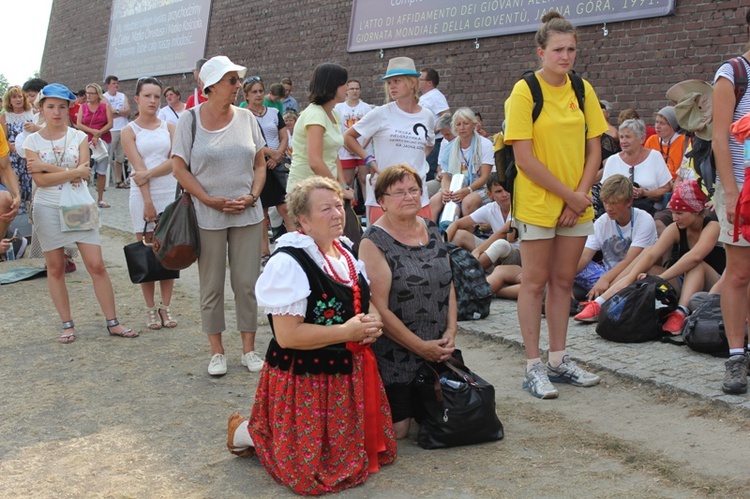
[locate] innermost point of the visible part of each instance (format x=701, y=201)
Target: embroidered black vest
x=329, y=303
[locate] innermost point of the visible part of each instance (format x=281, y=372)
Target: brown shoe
x=234, y=421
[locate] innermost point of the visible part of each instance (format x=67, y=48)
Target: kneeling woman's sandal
x=125, y=333
x=67, y=338
x=234, y=421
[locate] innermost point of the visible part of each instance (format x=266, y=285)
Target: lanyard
x=619, y=231
x=469, y=168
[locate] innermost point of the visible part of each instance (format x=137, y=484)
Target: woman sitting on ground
x=470, y=155
x=644, y=167
x=320, y=422
x=691, y=242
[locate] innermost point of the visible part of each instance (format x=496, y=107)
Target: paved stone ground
x=662, y=365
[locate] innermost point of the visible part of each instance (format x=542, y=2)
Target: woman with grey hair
x=667, y=141
x=644, y=167
x=469, y=154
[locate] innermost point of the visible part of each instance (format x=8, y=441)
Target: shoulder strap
x=740, y=78
x=580, y=91
x=536, y=93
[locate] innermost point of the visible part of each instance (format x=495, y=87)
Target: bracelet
x=369, y=159
x=255, y=198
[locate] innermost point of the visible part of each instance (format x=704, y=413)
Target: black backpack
x=473, y=292
x=636, y=313
x=704, y=329
x=506, y=166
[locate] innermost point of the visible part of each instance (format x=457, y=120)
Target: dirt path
x=111, y=417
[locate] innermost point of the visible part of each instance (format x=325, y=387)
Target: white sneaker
x=253, y=361
x=218, y=365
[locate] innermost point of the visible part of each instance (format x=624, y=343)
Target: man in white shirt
x=351, y=111
x=621, y=236
x=120, y=105
x=433, y=99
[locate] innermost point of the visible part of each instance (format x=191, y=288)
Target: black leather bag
x=143, y=266
x=458, y=407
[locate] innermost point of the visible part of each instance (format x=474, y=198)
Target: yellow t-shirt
x=4, y=148
x=557, y=140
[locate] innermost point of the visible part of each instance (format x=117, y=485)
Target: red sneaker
x=675, y=321
x=590, y=312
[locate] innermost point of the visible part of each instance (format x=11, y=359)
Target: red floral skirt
x=309, y=430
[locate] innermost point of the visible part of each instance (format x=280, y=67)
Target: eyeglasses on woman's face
x=413, y=192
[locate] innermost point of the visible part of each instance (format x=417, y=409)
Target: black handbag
x=143, y=266
x=458, y=406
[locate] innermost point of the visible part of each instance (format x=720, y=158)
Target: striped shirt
x=738, y=152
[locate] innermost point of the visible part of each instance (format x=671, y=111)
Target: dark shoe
x=735, y=377
x=70, y=266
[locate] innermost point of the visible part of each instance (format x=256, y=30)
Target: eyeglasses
x=402, y=194
x=253, y=78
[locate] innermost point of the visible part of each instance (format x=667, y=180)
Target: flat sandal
x=126, y=333
x=66, y=339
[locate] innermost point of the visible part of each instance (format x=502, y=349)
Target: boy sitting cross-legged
x=621, y=235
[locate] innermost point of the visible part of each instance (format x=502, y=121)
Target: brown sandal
x=234, y=421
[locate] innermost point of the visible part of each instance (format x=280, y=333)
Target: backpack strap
x=536, y=93
x=580, y=91
x=740, y=78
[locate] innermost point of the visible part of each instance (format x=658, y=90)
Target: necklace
x=352, y=281
x=59, y=155
x=258, y=113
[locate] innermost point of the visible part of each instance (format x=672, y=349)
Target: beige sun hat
x=693, y=109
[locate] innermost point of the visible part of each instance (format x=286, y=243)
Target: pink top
x=96, y=120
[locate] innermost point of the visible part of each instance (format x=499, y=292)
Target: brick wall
x=631, y=67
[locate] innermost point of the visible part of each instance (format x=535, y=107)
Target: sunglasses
x=148, y=79
x=253, y=78
x=232, y=80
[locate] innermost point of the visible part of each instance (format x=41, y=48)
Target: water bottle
x=449, y=382
x=11, y=253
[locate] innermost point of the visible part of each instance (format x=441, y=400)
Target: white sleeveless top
x=154, y=147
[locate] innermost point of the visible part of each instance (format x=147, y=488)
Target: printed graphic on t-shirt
x=614, y=250
x=410, y=139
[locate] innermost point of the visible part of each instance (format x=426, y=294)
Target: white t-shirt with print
x=350, y=116
x=615, y=244
x=398, y=137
